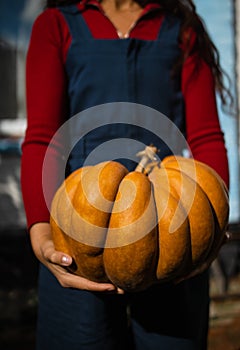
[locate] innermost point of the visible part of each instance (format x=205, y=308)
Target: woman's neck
x=121, y=5
x=123, y=14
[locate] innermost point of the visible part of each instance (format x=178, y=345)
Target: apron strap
x=169, y=30
x=77, y=26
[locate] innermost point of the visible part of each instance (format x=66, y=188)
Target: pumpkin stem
x=148, y=154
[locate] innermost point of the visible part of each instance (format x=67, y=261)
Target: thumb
x=56, y=257
x=61, y=258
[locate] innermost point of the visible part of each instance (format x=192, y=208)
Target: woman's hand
x=56, y=262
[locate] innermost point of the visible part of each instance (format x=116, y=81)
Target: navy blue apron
x=126, y=70
x=164, y=317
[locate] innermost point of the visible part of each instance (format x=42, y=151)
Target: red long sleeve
x=204, y=134
x=46, y=109
x=47, y=103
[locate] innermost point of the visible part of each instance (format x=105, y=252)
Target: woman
x=73, y=63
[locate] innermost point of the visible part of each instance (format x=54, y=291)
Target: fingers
x=60, y=258
x=69, y=280
x=53, y=256
x=82, y=283
x=57, y=262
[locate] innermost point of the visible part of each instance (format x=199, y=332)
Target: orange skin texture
x=173, y=234
x=78, y=215
x=137, y=229
x=215, y=189
x=194, y=201
x=132, y=239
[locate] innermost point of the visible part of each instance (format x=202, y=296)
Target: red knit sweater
x=47, y=103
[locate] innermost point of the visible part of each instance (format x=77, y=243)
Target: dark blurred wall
x=8, y=86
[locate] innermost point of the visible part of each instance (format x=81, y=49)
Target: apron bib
x=102, y=71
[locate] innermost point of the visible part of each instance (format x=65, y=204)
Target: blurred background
x=18, y=266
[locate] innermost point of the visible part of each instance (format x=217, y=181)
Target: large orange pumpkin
x=155, y=224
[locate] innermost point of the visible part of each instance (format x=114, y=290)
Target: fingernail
x=65, y=259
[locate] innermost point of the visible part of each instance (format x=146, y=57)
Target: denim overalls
x=165, y=317
x=103, y=71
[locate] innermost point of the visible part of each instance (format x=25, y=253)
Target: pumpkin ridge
x=163, y=222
